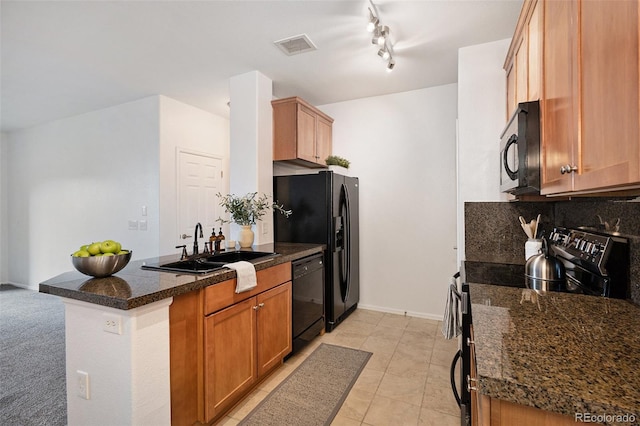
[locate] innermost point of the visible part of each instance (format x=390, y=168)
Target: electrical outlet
x=133, y=225
x=112, y=323
x=83, y=384
x=143, y=225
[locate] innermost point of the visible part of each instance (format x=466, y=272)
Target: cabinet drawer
x=221, y=295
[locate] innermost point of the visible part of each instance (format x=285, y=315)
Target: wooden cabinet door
x=306, y=134
x=522, y=70
x=273, y=326
x=559, y=103
x=535, y=38
x=324, y=137
x=609, y=152
x=230, y=355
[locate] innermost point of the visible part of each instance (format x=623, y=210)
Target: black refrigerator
x=325, y=211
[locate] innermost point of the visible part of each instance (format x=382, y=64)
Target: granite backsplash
x=493, y=232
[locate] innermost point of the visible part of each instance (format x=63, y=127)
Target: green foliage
x=248, y=209
x=334, y=160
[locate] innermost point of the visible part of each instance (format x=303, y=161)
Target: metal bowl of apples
x=101, y=266
x=100, y=259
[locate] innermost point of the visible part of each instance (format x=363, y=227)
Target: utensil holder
x=532, y=247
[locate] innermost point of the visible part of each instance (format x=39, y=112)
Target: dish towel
x=246, y=275
x=451, y=326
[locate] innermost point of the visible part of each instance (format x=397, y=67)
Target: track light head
x=391, y=64
x=384, y=53
x=382, y=35
x=373, y=22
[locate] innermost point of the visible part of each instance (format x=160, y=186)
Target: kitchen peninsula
x=120, y=334
x=555, y=355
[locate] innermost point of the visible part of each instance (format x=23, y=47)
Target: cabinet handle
x=470, y=342
x=469, y=387
x=568, y=169
x=258, y=306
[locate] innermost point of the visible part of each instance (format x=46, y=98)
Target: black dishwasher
x=308, y=299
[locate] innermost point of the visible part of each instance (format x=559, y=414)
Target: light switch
x=143, y=225
x=133, y=225
x=144, y=210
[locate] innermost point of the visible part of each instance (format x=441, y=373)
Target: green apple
x=109, y=246
x=108, y=254
x=123, y=252
x=84, y=247
x=81, y=253
x=94, y=249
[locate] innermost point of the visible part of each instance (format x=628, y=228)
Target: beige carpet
x=314, y=392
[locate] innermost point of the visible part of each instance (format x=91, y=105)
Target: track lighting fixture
x=380, y=37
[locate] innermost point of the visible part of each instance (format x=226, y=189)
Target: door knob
x=568, y=169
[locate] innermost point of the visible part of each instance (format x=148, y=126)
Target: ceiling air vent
x=295, y=45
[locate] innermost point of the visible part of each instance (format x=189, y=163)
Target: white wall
x=481, y=119
x=82, y=179
x=402, y=147
x=191, y=129
x=78, y=180
x=4, y=264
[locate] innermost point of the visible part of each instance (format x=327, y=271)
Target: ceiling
x=63, y=58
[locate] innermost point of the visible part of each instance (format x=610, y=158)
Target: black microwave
x=520, y=151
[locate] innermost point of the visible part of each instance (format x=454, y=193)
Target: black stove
x=596, y=262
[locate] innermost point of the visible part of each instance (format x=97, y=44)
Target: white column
x=251, y=153
x=128, y=370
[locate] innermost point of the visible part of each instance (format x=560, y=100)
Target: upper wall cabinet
x=301, y=133
x=591, y=100
x=523, y=64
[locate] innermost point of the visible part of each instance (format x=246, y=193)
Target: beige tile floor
x=405, y=382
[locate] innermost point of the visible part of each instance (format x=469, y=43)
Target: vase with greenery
x=334, y=160
x=246, y=211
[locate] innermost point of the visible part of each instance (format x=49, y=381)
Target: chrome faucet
x=195, y=238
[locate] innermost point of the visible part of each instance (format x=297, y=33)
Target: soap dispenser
x=221, y=240
x=213, y=244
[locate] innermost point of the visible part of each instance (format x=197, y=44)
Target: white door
x=199, y=180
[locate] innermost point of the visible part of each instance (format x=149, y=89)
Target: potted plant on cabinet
x=337, y=164
x=246, y=210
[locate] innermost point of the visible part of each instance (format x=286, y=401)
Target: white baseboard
x=424, y=315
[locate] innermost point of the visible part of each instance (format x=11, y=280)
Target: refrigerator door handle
x=345, y=267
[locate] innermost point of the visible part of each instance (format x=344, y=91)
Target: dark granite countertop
x=133, y=287
x=566, y=353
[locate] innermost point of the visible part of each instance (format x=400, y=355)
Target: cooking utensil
x=535, y=231
x=525, y=227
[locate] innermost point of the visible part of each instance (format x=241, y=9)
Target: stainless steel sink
x=204, y=264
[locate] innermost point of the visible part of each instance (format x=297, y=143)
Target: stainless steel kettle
x=544, y=272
